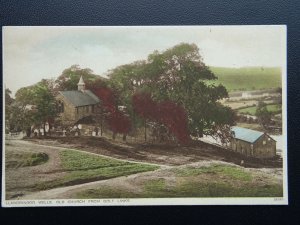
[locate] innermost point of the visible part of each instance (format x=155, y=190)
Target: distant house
x=252, y=143
x=76, y=105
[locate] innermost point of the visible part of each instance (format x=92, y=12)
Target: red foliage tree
x=107, y=97
x=144, y=106
x=174, y=118
x=167, y=113
x=118, y=122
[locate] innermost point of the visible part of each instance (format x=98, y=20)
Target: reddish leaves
x=167, y=113
x=175, y=119
x=107, y=97
x=144, y=106
x=118, y=122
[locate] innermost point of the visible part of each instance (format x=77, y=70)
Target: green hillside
x=248, y=78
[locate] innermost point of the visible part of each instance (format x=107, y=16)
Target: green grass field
x=248, y=78
x=22, y=159
x=212, y=181
x=274, y=108
x=82, y=167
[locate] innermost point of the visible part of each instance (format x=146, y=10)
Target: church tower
x=81, y=85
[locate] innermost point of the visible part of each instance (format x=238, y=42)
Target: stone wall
x=242, y=147
x=264, y=147
x=83, y=111
x=68, y=116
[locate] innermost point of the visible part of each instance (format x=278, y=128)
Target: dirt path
x=127, y=182
x=67, y=192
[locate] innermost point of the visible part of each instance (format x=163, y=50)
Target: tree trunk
x=101, y=127
x=101, y=123
x=44, y=129
x=145, y=124
x=124, y=137
x=114, y=136
x=28, y=132
x=200, y=134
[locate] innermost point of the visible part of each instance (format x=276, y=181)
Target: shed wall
x=264, y=147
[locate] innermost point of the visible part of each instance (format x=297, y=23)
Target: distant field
x=251, y=110
x=248, y=78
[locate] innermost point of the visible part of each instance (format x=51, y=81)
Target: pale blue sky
x=33, y=53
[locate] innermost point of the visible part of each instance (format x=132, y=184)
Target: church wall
x=83, y=111
x=68, y=116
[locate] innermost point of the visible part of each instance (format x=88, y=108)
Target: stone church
x=76, y=105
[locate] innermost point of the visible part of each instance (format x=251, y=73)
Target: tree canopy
x=171, y=88
x=178, y=75
x=34, y=105
x=69, y=78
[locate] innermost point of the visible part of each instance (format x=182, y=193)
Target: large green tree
x=35, y=105
x=8, y=109
x=180, y=75
x=69, y=78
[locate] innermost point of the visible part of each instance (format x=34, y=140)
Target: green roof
x=79, y=98
x=246, y=134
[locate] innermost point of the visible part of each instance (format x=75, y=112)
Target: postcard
x=144, y=115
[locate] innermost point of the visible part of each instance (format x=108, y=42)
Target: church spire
x=81, y=85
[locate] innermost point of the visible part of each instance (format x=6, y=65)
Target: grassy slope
x=248, y=78
x=212, y=181
x=82, y=167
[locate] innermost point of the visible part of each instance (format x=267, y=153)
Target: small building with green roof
x=252, y=143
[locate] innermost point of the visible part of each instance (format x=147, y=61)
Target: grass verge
x=212, y=181
x=229, y=171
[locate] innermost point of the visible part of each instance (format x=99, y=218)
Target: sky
x=33, y=53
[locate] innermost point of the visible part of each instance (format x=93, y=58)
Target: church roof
x=79, y=98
